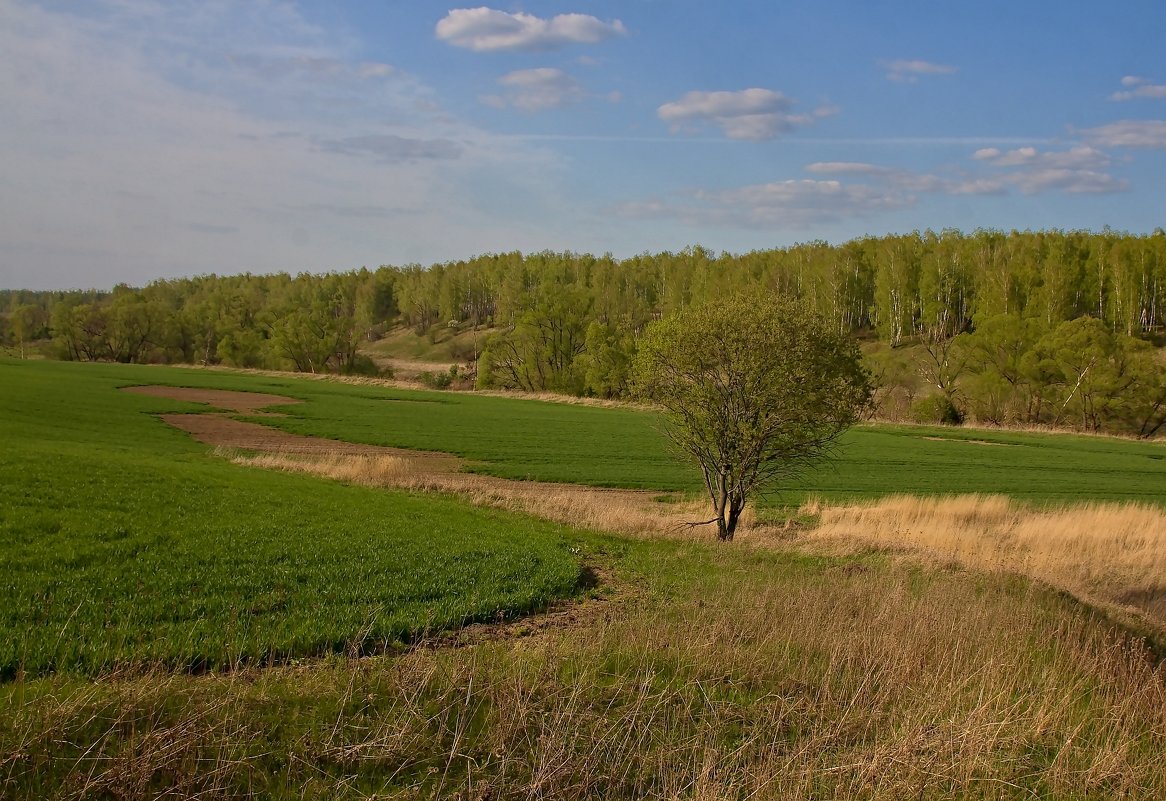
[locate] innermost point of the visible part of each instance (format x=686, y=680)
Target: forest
x=1045, y=328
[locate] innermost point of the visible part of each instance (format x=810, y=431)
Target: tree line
x=955, y=324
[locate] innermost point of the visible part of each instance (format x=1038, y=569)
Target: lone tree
x=754, y=389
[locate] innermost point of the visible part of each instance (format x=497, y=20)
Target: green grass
x=738, y=672
x=123, y=541
x=1037, y=468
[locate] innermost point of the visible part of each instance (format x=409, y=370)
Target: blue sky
x=145, y=139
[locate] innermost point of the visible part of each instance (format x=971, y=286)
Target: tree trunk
x=736, y=506
x=728, y=502
x=724, y=533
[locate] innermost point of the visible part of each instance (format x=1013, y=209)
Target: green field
x=123, y=540
x=623, y=447
x=524, y=439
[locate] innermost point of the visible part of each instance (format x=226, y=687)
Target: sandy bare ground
x=225, y=432
x=241, y=402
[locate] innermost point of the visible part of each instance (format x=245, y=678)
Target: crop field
x=123, y=540
x=622, y=447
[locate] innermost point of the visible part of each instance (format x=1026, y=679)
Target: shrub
x=936, y=409
x=438, y=380
x=363, y=365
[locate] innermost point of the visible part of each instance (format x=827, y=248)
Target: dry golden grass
x=846, y=683
x=1110, y=553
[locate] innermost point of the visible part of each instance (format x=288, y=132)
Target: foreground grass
x=726, y=673
x=124, y=542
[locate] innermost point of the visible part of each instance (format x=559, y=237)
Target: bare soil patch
x=972, y=441
x=225, y=432
x=229, y=400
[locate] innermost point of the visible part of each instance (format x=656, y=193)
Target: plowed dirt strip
x=242, y=402
x=224, y=432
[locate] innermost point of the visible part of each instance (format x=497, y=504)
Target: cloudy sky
x=143, y=139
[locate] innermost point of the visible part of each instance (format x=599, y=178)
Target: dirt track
x=242, y=402
x=220, y=431
x=225, y=432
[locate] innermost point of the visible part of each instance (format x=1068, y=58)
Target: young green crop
x=124, y=541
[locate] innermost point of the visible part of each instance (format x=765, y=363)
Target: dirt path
x=241, y=402
x=226, y=432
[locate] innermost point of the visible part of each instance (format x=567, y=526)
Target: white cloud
x=310, y=66
x=1077, y=158
x=373, y=69
x=1139, y=88
x=1150, y=134
x=904, y=180
x=847, y=168
x=1073, y=171
x=863, y=189
x=977, y=186
x=791, y=204
x=907, y=70
x=139, y=150
x=536, y=90
x=393, y=149
x=486, y=29
x=754, y=114
x=859, y=189
x=1070, y=181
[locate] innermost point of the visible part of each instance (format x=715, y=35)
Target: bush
x=465, y=350
x=363, y=365
x=936, y=409
x=438, y=380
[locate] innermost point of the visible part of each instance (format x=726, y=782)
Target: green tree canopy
x=754, y=389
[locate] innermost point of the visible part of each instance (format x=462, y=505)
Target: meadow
x=179, y=624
